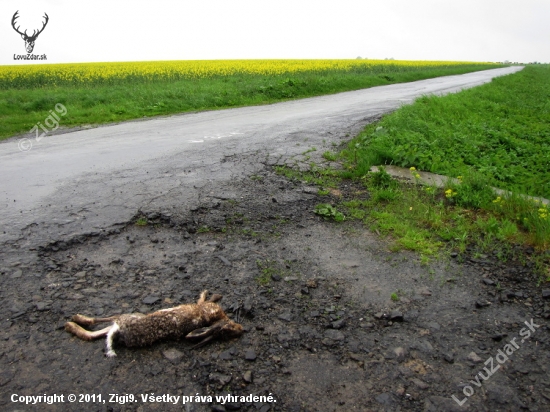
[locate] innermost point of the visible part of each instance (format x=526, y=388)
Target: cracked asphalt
x=322, y=333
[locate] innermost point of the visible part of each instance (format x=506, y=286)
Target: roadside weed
x=330, y=212
x=142, y=221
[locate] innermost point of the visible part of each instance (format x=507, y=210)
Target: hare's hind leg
x=85, y=334
x=87, y=321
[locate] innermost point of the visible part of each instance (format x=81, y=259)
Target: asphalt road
x=87, y=180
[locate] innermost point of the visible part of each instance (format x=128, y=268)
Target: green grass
x=432, y=220
x=500, y=130
x=142, y=221
x=465, y=135
x=318, y=176
x=21, y=106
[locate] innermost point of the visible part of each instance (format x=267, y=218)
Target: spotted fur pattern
x=136, y=330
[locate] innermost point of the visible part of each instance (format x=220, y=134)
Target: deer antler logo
x=29, y=40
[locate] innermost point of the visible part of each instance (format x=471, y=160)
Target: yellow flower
x=85, y=73
x=449, y=193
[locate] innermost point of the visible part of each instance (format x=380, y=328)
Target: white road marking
x=215, y=137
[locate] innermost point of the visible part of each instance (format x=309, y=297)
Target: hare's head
x=224, y=329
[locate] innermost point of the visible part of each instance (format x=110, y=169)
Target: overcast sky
x=473, y=30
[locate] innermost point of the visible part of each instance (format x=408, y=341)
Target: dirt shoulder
x=322, y=332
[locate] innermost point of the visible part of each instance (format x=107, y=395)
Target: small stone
x=247, y=376
x=546, y=294
x=339, y=324
x=17, y=274
x=433, y=325
x=276, y=277
x=286, y=316
x=218, y=408
x=454, y=254
x=305, y=290
x=247, y=305
x=250, y=355
x=400, y=353
x=233, y=406
x=422, y=345
x=488, y=282
x=314, y=313
x=173, y=355
x=41, y=306
x=226, y=355
x=384, y=399
x=419, y=383
x=449, y=358
x=334, y=334
x=218, y=377
x=89, y=291
x=472, y=356
x=311, y=283
x=224, y=260
x=424, y=292
x=482, y=304
x=150, y=300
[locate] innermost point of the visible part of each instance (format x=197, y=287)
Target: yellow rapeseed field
x=98, y=73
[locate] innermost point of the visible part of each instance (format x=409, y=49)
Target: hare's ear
x=206, y=331
x=215, y=298
x=202, y=297
x=206, y=334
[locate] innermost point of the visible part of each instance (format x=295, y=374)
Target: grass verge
x=500, y=130
x=465, y=216
x=458, y=219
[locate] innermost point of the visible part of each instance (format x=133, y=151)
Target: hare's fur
x=204, y=319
